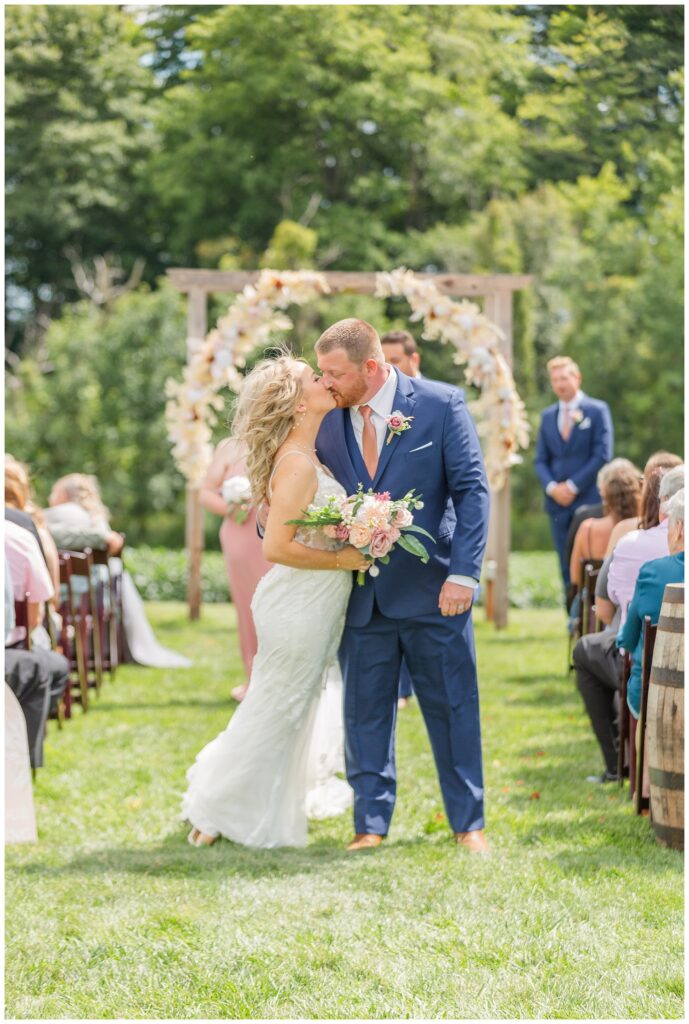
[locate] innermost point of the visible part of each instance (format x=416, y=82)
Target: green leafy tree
x=606, y=84
x=96, y=405
x=78, y=120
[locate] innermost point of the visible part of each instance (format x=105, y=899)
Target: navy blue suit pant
x=440, y=654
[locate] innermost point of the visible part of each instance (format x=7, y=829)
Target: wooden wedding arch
x=496, y=291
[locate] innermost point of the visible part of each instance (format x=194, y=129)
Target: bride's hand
x=351, y=558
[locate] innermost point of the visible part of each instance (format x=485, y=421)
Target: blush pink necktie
x=567, y=425
x=369, y=441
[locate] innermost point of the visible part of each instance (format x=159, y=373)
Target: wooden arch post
x=495, y=289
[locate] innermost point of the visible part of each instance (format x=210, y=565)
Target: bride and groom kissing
x=310, y=436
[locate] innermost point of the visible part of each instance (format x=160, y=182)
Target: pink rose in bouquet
x=382, y=542
x=373, y=523
x=403, y=517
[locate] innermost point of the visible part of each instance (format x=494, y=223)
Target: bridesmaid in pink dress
x=241, y=546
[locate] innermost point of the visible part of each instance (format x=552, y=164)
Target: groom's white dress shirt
x=382, y=406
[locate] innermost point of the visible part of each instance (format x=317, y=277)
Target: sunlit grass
x=578, y=913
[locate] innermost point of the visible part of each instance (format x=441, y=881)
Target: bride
x=250, y=783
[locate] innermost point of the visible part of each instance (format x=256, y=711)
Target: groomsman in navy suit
x=574, y=440
x=418, y=612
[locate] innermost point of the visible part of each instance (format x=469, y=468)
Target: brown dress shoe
x=475, y=841
x=364, y=841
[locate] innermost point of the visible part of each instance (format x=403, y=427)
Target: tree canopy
x=534, y=138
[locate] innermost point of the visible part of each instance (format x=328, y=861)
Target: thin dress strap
x=293, y=451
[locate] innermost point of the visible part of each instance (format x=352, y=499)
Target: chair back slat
x=21, y=619
x=624, y=719
x=647, y=646
x=591, y=569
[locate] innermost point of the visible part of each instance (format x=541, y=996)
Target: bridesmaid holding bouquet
x=225, y=492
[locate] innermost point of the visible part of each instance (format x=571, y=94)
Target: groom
x=421, y=612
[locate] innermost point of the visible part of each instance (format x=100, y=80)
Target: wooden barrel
x=665, y=721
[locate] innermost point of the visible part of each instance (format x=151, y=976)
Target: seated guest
x=596, y=659
x=648, y=598
x=619, y=483
x=659, y=462
x=29, y=575
x=37, y=677
x=646, y=543
x=21, y=509
x=77, y=517
x=594, y=511
x=77, y=514
x=20, y=817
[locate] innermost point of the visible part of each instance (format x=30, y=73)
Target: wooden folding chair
x=72, y=639
x=21, y=619
x=649, y=638
x=622, y=758
x=123, y=653
x=87, y=617
x=588, y=596
x=585, y=603
x=106, y=615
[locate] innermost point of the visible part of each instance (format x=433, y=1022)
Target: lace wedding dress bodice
x=327, y=487
x=278, y=757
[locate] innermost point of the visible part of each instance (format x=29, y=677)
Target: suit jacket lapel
x=356, y=459
x=404, y=403
x=557, y=436
x=343, y=468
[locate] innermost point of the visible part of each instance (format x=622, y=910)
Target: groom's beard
x=349, y=396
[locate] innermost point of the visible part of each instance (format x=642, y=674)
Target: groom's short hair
x=358, y=338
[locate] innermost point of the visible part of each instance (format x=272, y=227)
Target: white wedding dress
x=274, y=765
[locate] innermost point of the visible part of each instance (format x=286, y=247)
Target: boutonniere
x=576, y=416
x=397, y=424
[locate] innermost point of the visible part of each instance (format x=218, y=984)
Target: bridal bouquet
x=371, y=522
x=236, y=490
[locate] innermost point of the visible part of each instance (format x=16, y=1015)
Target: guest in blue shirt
x=648, y=596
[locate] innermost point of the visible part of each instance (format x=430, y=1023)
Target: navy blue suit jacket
x=588, y=447
x=440, y=457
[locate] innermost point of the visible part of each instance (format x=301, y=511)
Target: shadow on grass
x=505, y=640
x=229, y=705
x=174, y=857
x=549, y=695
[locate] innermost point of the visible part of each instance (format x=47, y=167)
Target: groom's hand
x=455, y=599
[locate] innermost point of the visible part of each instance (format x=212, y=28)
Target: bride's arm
x=294, y=486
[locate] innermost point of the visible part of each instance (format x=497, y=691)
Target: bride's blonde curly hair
x=264, y=415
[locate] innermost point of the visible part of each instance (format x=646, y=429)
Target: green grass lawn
x=578, y=913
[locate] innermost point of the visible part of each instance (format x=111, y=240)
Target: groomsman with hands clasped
x=574, y=440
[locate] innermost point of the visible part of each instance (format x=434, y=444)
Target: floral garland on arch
x=193, y=403
x=215, y=362
x=500, y=414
